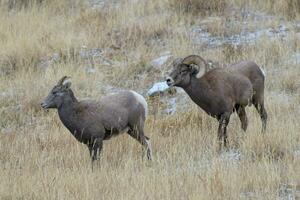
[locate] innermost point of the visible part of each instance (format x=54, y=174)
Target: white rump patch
x=141, y=100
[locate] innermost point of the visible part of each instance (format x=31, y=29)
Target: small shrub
x=232, y=53
x=19, y=4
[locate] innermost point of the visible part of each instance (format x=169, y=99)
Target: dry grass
x=199, y=7
x=39, y=159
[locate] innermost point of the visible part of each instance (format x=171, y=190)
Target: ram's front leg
x=222, y=130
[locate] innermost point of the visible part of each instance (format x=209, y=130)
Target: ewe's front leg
x=95, y=148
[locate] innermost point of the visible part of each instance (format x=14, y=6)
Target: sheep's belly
x=114, y=132
x=81, y=136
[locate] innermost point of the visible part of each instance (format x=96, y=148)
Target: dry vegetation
x=39, y=159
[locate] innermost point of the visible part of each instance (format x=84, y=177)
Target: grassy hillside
x=108, y=45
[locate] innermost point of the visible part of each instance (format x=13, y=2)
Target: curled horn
x=196, y=60
x=61, y=81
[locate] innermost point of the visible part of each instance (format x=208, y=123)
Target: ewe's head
x=184, y=68
x=58, y=94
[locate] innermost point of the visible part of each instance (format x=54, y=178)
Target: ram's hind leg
x=243, y=117
x=263, y=115
x=137, y=132
x=258, y=101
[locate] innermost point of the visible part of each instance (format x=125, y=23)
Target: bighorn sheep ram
x=91, y=122
x=221, y=91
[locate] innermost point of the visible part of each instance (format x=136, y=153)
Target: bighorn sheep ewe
x=221, y=91
x=91, y=122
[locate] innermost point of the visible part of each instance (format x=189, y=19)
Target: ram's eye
x=183, y=72
x=54, y=92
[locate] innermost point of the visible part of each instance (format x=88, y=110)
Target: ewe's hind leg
x=138, y=134
x=263, y=114
x=243, y=117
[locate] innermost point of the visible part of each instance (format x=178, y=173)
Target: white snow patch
x=158, y=88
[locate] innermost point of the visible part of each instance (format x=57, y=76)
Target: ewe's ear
x=67, y=83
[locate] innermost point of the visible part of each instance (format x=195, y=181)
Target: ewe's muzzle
x=44, y=105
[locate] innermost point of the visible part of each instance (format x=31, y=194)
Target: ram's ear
x=198, y=61
x=193, y=69
x=190, y=67
x=197, y=71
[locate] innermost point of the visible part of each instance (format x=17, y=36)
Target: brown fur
x=91, y=122
x=221, y=91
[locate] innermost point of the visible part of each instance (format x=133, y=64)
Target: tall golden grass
x=40, y=159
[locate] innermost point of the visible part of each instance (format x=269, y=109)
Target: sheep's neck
x=67, y=112
x=197, y=90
